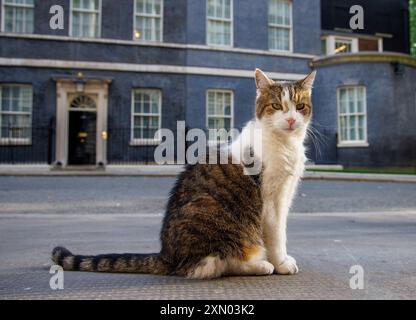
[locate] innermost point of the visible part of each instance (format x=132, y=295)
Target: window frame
x=231, y=21
x=145, y=141
x=331, y=40
x=352, y=143
x=207, y=116
x=100, y=13
x=275, y=25
x=352, y=42
x=19, y=5
x=9, y=141
x=161, y=16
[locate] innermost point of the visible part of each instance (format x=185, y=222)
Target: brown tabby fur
x=214, y=209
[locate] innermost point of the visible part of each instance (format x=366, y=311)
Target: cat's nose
x=291, y=121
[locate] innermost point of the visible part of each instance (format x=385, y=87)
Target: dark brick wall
x=391, y=106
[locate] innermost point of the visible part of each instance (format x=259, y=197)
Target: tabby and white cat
x=220, y=221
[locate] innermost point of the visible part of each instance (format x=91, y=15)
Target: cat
x=219, y=220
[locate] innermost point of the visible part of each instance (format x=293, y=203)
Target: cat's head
x=284, y=107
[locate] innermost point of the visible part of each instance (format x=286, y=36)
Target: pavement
x=174, y=170
x=333, y=226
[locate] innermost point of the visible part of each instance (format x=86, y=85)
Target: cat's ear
x=262, y=81
x=307, y=83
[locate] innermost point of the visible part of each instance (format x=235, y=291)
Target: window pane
x=86, y=18
x=157, y=7
x=343, y=107
x=16, y=126
x=351, y=100
x=227, y=123
x=219, y=110
x=227, y=9
x=8, y=23
x=219, y=29
x=210, y=8
x=18, y=19
x=227, y=110
x=352, y=126
x=343, y=46
x=279, y=38
x=137, y=133
x=26, y=2
x=16, y=99
x=279, y=19
x=343, y=127
x=138, y=122
x=91, y=5
x=361, y=134
x=360, y=106
x=361, y=127
x=280, y=12
x=323, y=46
x=29, y=24
x=76, y=4
x=148, y=20
x=146, y=102
x=219, y=32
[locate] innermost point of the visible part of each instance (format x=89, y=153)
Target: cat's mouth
x=290, y=129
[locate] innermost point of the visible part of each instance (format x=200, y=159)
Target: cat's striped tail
x=117, y=263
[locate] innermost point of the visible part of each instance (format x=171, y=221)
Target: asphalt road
x=115, y=195
x=334, y=225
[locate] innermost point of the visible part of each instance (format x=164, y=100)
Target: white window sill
x=219, y=46
x=15, y=142
x=280, y=51
x=144, y=142
x=147, y=42
x=357, y=144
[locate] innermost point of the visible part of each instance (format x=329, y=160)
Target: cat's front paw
x=287, y=267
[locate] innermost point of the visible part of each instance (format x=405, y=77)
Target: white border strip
x=148, y=68
x=160, y=44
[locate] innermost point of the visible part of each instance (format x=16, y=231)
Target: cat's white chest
x=282, y=170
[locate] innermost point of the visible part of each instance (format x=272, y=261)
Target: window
x=219, y=110
x=375, y=45
x=324, y=47
x=15, y=113
x=148, y=20
x=86, y=18
x=352, y=112
x=280, y=25
x=343, y=45
x=18, y=16
x=146, y=115
x=220, y=22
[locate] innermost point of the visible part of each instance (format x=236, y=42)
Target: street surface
x=334, y=225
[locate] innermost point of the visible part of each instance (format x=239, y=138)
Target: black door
x=82, y=138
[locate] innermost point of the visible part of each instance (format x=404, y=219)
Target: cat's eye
x=300, y=106
x=276, y=106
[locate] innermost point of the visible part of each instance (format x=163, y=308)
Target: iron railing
x=123, y=149
x=26, y=145
x=36, y=145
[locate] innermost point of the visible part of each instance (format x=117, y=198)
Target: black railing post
x=10, y=142
x=147, y=144
x=336, y=147
x=50, y=141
